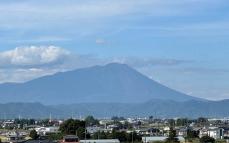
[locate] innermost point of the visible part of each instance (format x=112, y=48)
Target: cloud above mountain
x=32, y=56
x=29, y=62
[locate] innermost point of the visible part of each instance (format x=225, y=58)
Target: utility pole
x=133, y=136
x=98, y=134
x=50, y=117
x=85, y=133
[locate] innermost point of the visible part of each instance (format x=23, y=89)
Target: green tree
x=171, y=122
x=207, y=139
x=33, y=134
x=134, y=136
x=192, y=134
x=102, y=135
x=182, y=122
x=99, y=135
x=70, y=126
x=202, y=121
x=55, y=136
x=150, y=119
x=81, y=132
x=116, y=118
x=127, y=125
x=172, y=136
x=119, y=135
x=90, y=120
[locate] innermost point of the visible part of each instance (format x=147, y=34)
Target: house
x=8, y=123
x=112, y=127
x=216, y=133
x=166, y=131
x=46, y=130
x=150, y=131
x=70, y=139
x=142, y=131
x=105, y=122
x=158, y=138
x=183, y=131
x=15, y=137
x=203, y=132
x=93, y=129
x=226, y=132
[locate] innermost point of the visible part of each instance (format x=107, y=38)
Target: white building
x=101, y=141
x=93, y=129
x=158, y=138
x=216, y=133
x=203, y=132
x=105, y=121
x=45, y=130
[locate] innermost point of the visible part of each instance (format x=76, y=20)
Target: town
x=115, y=130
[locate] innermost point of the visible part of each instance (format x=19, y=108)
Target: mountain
x=156, y=108
x=26, y=110
x=110, y=83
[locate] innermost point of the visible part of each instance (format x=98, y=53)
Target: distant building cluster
x=149, y=129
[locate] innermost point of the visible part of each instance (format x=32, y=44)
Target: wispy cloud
x=100, y=41
x=38, y=13
x=41, y=39
x=203, y=70
x=148, y=62
x=76, y=19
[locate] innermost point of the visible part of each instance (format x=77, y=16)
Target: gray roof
x=70, y=136
x=39, y=141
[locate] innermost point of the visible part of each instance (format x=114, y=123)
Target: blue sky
x=182, y=44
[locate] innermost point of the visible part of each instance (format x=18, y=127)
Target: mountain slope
x=156, y=108
x=110, y=83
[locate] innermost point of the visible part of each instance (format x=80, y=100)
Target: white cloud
x=25, y=63
x=100, y=41
x=41, y=39
x=32, y=55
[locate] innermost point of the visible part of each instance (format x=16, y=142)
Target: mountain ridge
x=158, y=109
x=110, y=83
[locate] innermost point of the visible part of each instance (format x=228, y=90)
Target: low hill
x=156, y=108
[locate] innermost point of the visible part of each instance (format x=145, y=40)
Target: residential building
x=216, y=133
